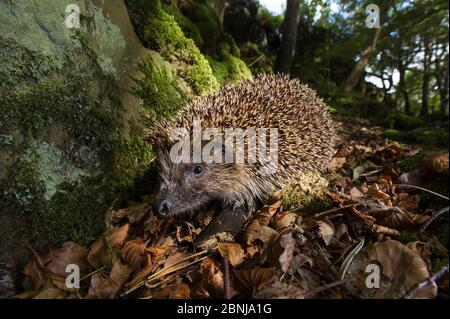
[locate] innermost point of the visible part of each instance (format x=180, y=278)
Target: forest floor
x=372, y=237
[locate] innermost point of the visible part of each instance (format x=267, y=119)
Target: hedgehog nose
x=164, y=208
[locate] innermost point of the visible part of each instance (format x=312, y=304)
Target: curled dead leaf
x=182, y=291
x=326, y=230
x=103, y=287
x=281, y=251
x=133, y=213
x=232, y=251
x=134, y=253
x=70, y=253
x=249, y=281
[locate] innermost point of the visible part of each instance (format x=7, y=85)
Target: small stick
x=256, y=60
x=422, y=189
x=226, y=279
x=435, y=215
x=433, y=279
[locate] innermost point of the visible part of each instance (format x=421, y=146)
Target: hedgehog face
x=187, y=187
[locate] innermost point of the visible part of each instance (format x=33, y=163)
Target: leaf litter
x=368, y=222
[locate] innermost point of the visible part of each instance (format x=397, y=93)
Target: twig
x=226, y=278
x=433, y=217
x=167, y=270
x=433, y=279
x=336, y=209
x=256, y=60
x=420, y=188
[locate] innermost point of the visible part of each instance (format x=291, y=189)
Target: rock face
x=70, y=130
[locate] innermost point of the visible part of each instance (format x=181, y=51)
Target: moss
x=401, y=121
x=162, y=33
x=207, y=22
x=229, y=69
x=305, y=193
x=63, y=189
x=410, y=163
x=189, y=28
x=393, y=134
x=159, y=92
x=233, y=49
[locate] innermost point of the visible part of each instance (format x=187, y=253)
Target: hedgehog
x=302, y=137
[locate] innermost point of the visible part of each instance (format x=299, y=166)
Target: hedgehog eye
x=198, y=169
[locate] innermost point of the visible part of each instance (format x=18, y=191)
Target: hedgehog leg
x=229, y=220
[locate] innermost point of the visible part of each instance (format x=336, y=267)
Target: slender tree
x=286, y=53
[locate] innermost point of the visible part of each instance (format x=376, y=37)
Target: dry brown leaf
x=249, y=281
x=336, y=163
x=326, y=230
x=35, y=273
x=108, y=287
x=281, y=251
x=376, y=193
x=261, y=219
x=134, y=253
x=212, y=278
x=175, y=258
x=232, y=251
x=283, y=220
x=117, y=237
x=133, y=213
x=70, y=253
x=402, y=265
x=51, y=293
x=182, y=291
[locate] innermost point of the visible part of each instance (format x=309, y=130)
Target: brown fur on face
x=186, y=190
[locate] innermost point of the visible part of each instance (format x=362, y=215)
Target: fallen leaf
x=108, y=287
x=232, y=251
x=402, y=265
x=70, y=253
x=283, y=220
x=281, y=252
x=134, y=253
x=212, y=278
x=133, y=213
x=117, y=237
x=249, y=281
x=182, y=291
x=326, y=230
x=51, y=293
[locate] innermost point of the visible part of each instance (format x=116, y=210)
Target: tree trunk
x=424, y=110
x=442, y=81
x=289, y=37
x=402, y=85
x=357, y=71
x=360, y=65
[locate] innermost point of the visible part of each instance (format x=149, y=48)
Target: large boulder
x=70, y=129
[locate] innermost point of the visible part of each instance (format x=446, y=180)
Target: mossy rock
x=401, y=121
x=71, y=132
x=160, y=31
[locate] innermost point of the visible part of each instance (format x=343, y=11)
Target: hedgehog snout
x=163, y=208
